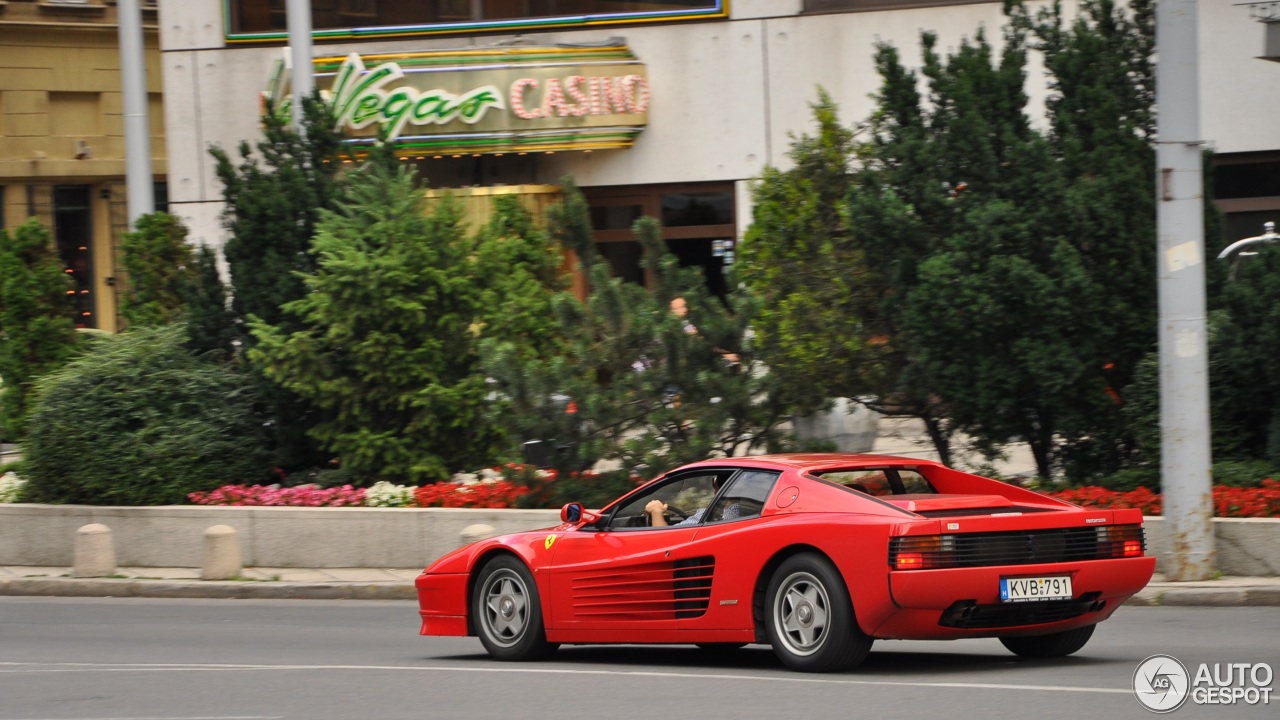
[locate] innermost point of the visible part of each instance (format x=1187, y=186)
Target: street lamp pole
x=1185, y=464
x=303, y=79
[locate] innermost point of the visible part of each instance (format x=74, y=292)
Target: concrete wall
x=1245, y=546
x=171, y=536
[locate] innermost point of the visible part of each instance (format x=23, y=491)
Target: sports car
x=816, y=555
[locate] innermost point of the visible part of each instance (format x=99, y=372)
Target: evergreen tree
x=161, y=270
x=36, y=331
x=825, y=260
x=210, y=324
x=518, y=268
x=649, y=377
x=273, y=202
x=1101, y=110
x=1000, y=277
x=386, y=338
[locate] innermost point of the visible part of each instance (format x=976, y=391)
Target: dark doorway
x=73, y=223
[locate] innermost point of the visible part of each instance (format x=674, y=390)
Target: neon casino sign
x=486, y=101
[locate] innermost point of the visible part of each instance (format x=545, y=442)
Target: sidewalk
x=397, y=584
x=256, y=583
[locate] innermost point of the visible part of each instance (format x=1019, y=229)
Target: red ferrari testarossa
x=815, y=554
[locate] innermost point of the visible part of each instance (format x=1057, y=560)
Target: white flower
x=10, y=485
x=386, y=494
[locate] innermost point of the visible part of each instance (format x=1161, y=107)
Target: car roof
x=807, y=462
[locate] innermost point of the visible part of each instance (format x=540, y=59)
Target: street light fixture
x=1269, y=234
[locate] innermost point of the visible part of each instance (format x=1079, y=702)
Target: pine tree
x=210, y=324
x=1101, y=110
x=36, y=331
x=386, y=336
x=518, y=270
x=161, y=270
x=649, y=377
x=273, y=202
x=999, y=278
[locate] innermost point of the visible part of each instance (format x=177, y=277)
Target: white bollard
x=221, y=554
x=95, y=552
x=479, y=531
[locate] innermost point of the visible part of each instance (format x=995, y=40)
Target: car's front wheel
x=810, y=618
x=507, y=613
x=1057, y=644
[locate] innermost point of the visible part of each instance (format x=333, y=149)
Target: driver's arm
x=657, y=513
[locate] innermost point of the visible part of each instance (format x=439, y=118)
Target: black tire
x=507, y=612
x=1059, y=644
x=809, y=617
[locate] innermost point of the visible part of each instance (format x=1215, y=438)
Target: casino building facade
x=669, y=109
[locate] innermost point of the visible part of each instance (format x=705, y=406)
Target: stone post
x=478, y=531
x=95, y=552
x=221, y=554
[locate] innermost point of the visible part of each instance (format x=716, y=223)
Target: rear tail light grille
x=926, y=552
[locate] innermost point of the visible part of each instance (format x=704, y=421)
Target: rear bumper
x=965, y=602
x=442, y=603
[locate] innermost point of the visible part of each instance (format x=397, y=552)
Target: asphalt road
x=143, y=659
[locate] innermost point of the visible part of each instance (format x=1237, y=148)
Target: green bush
x=1130, y=479
x=1243, y=473
x=139, y=420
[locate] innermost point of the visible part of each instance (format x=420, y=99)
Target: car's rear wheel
x=810, y=618
x=1057, y=644
x=507, y=612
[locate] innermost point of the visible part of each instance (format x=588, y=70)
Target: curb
x=1151, y=596
x=216, y=589
x=1206, y=597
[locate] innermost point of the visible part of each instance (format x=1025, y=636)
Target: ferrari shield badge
x=551, y=540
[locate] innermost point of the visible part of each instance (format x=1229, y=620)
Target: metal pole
x=299, y=21
x=137, y=132
x=1185, y=464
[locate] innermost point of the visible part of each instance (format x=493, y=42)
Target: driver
x=657, y=509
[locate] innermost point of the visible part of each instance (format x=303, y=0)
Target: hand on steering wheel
x=680, y=514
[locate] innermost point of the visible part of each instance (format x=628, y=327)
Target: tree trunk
x=940, y=436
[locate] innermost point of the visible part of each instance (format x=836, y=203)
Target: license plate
x=1035, y=588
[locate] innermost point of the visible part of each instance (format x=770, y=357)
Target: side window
x=871, y=482
x=686, y=497
x=744, y=497
x=914, y=482
x=880, y=483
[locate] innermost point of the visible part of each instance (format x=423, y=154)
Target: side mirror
x=571, y=513
x=574, y=513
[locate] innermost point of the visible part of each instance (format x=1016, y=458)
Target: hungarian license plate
x=1027, y=589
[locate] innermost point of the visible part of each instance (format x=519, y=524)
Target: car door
x=626, y=581
x=731, y=537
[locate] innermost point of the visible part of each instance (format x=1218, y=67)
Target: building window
x=698, y=225
x=1246, y=187
x=830, y=6
x=258, y=20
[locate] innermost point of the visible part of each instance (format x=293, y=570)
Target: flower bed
x=486, y=489
x=1237, y=502
x=508, y=486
